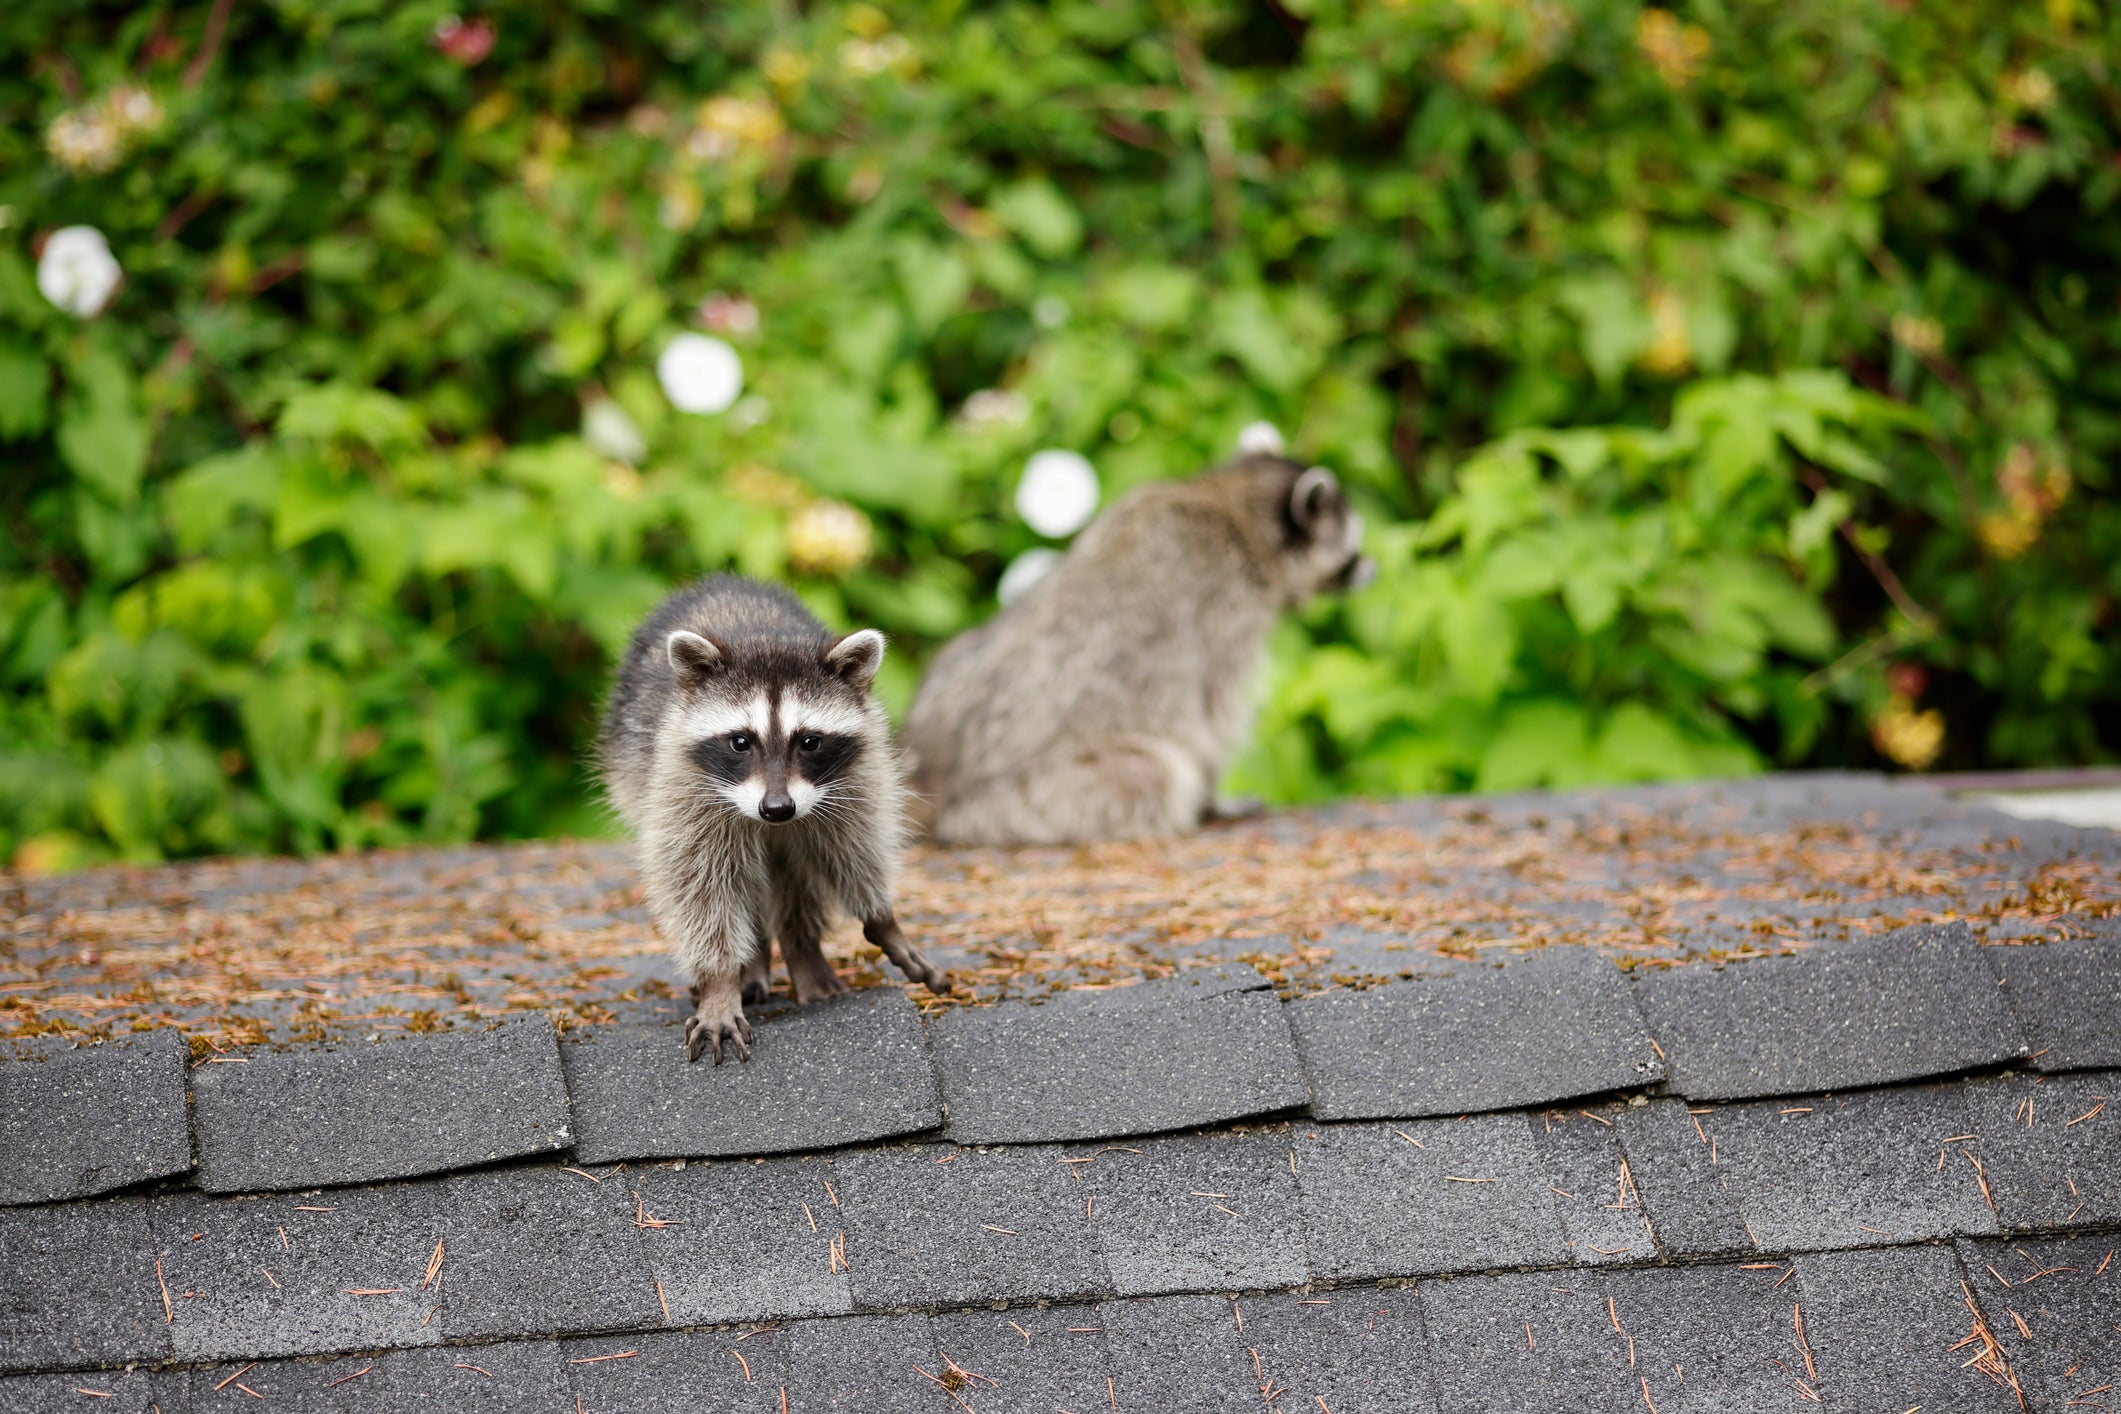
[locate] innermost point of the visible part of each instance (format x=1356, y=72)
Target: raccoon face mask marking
x=776, y=755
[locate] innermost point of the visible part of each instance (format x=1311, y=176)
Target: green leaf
x=934, y=280
x=1151, y=297
x=1614, y=325
x=1479, y=642
x=25, y=392
x=1040, y=216
x=1542, y=742
x=152, y=797
x=103, y=434
x=343, y=411
x=203, y=498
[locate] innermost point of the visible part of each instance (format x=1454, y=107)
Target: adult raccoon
x=1106, y=703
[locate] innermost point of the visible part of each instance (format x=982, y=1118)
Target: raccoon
x=742, y=748
x=1106, y=703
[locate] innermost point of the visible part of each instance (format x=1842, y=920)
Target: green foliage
x=1724, y=388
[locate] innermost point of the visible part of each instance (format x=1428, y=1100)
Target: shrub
x=1727, y=387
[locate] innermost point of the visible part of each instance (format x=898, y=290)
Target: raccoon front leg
x=882, y=931
x=799, y=923
x=705, y=892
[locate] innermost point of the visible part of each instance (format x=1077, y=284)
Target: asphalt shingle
x=358, y=1113
x=1352, y=1351
x=2052, y=1147
x=1180, y=1352
x=2068, y=997
x=1197, y=1212
x=937, y=1226
x=2068, y=1293
x=1526, y=1343
x=1919, y=1002
x=77, y=1286
x=540, y=1251
x=1882, y=1324
x=1685, y=1197
x=690, y=1370
x=1594, y=1190
x=103, y=1391
x=1855, y=1170
x=846, y=1071
x=1710, y=1338
x=1203, y=1047
x=863, y=1364
x=76, y=1121
x=749, y=1240
x=1035, y=1362
x=254, y=1278
x=1357, y=1351
x=1553, y=1025
x=501, y=1378
x=1429, y=1196
x=353, y=1383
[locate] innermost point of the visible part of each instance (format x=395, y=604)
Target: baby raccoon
x=1107, y=701
x=744, y=751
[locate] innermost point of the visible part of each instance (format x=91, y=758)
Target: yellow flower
x=1919, y=334
x=2029, y=88
x=827, y=538
x=84, y=142
x=865, y=20
x=1509, y=42
x=868, y=57
x=1670, y=350
x=729, y=125
x=2031, y=493
x=1675, y=49
x=1911, y=738
x=762, y=485
x=785, y=68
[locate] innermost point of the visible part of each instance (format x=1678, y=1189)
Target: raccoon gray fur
x=743, y=749
x=1106, y=703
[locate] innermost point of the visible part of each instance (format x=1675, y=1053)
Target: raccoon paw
x=813, y=978
x=718, y=1020
x=758, y=979
x=1232, y=807
x=885, y=933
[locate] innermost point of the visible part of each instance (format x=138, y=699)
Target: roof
x=1783, y=1095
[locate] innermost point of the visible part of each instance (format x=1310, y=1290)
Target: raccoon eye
x=811, y=742
x=740, y=742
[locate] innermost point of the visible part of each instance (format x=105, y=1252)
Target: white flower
x=1024, y=571
x=1049, y=312
x=611, y=433
x=700, y=373
x=1058, y=494
x=134, y=108
x=86, y=141
x=1259, y=438
x=77, y=272
x=995, y=407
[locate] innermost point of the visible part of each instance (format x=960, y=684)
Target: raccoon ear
x=1308, y=499
x=857, y=656
x=692, y=657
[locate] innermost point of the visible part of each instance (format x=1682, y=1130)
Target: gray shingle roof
x=1772, y=1184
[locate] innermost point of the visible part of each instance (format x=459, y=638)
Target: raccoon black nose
x=777, y=809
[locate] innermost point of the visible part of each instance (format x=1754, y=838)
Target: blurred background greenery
x=1729, y=386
